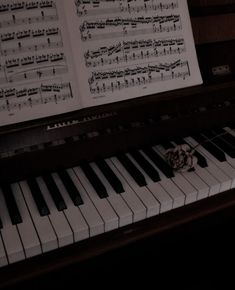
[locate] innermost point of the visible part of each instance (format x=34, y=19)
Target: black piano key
x=210, y=147
x=230, y=139
x=111, y=177
x=223, y=145
x=11, y=204
x=70, y=187
x=201, y=160
x=159, y=162
x=132, y=169
x=54, y=192
x=94, y=180
x=145, y=165
x=167, y=145
x=38, y=197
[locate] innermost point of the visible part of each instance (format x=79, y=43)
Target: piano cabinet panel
x=212, y=20
x=213, y=28
x=67, y=155
x=206, y=3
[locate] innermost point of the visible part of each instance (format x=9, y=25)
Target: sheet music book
x=58, y=56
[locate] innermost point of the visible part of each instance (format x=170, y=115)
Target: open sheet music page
x=130, y=48
x=36, y=72
x=58, y=56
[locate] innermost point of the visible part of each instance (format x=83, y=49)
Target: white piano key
x=164, y=199
x=189, y=191
x=124, y=213
x=57, y=218
x=202, y=182
x=210, y=180
x=169, y=186
x=102, y=205
x=230, y=130
x=213, y=168
x=202, y=188
x=28, y=234
x=90, y=213
x=229, y=166
x=224, y=166
x=42, y=224
x=150, y=202
x=10, y=235
x=176, y=194
x=228, y=170
x=132, y=200
x=151, y=205
x=73, y=214
x=3, y=255
x=230, y=160
x=148, y=198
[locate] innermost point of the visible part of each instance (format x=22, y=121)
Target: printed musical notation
x=133, y=48
x=123, y=27
x=34, y=64
x=127, y=51
x=22, y=5
x=22, y=41
x=25, y=43
x=98, y=51
x=23, y=13
x=15, y=99
x=96, y=7
x=32, y=67
x=123, y=78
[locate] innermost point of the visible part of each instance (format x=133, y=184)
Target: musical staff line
x=27, y=20
x=30, y=40
x=127, y=51
x=96, y=8
x=122, y=78
x=14, y=99
x=30, y=48
x=121, y=27
x=21, y=6
x=31, y=67
x=29, y=34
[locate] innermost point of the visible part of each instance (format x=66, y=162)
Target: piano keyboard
x=56, y=209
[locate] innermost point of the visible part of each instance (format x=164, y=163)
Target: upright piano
x=110, y=204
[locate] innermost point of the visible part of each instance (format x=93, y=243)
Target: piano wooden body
x=34, y=147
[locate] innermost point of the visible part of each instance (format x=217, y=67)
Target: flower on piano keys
x=181, y=158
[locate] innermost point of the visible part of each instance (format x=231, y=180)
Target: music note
x=124, y=27
x=22, y=6
x=127, y=51
x=122, y=78
x=97, y=8
x=18, y=98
